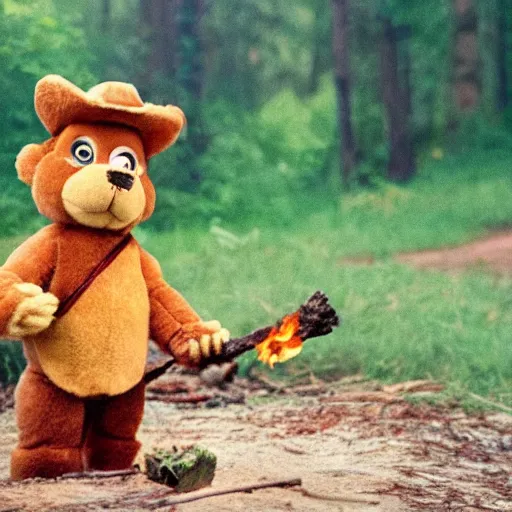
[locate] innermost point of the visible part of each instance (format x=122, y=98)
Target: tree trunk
x=106, y=13
x=144, y=79
x=397, y=102
x=158, y=30
x=502, y=55
x=342, y=80
x=466, y=63
x=316, y=53
x=190, y=73
x=156, y=56
x=190, y=78
x=169, y=36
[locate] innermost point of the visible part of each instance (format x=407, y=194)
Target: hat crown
x=116, y=93
x=60, y=103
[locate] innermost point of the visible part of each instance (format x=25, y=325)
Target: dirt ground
x=493, y=252
x=355, y=445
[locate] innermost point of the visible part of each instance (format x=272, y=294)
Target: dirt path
x=356, y=447
x=493, y=252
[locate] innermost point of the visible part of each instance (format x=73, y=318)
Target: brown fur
x=61, y=433
x=81, y=397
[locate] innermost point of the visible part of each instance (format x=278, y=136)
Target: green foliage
x=259, y=47
x=452, y=200
x=17, y=209
x=297, y=135
x=12, y=362
x=256, y=163
x=35, y=42
x=477, y=132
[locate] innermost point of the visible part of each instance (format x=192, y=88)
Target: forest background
x=323, y=138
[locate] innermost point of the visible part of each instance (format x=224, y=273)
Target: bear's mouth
x=97, y=218
x=101, y=197
x=114, y=211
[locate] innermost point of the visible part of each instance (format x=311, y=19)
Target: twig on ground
x=192, y=398
x=267, y=383
x=339, y=497
x=167, y=502
x=363, y=396
x=414, y=386
x=292, y=449
x=101, y=474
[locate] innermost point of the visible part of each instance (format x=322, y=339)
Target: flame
x=282, y=343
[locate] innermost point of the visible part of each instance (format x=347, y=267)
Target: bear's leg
x=50, y=423
x=114, y=421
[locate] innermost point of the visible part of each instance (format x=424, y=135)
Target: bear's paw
x=34, y=313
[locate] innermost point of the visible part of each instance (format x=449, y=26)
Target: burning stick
x=276, y=344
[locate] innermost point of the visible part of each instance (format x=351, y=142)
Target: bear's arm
x=32, y=262
x=172, y=320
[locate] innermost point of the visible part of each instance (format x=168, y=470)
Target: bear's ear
x=29, y=157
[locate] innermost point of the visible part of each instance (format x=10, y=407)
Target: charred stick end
x=317, y=317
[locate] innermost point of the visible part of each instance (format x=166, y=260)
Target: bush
x=477, y=133
x=257, y=165
x=12, y=362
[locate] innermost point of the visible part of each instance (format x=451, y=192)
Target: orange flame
x=282, y=343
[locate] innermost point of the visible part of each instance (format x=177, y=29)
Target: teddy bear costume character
x=80, y=400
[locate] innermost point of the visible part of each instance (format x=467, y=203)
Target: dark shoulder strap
x=66, y=304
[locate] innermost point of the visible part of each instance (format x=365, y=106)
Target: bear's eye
x=124, y=158
x=82, y=152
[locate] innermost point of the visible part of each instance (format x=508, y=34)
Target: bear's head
x=93, y=170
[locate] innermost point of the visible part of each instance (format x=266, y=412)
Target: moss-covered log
x=186, y=470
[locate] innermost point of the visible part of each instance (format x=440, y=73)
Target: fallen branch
x=169, y=502
x=338, y=497
x=414, y=386
x=101, y=474
x=316, y=318
x=192, y=398
x=363, y=396
x=267, y=383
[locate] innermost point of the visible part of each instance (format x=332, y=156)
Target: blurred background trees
x=266, y=84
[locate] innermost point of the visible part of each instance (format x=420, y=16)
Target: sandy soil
x=355, y=446
x=493, y=252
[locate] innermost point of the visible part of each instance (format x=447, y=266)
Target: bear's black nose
x=120, y=179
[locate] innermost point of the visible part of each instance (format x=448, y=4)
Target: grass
x=398, y=323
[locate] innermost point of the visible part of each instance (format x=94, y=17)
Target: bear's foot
x=44, y=462
x=107, y=454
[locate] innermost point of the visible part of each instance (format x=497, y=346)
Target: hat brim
x=59, y=103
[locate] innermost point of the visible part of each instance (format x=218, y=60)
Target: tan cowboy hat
x=60, y=103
